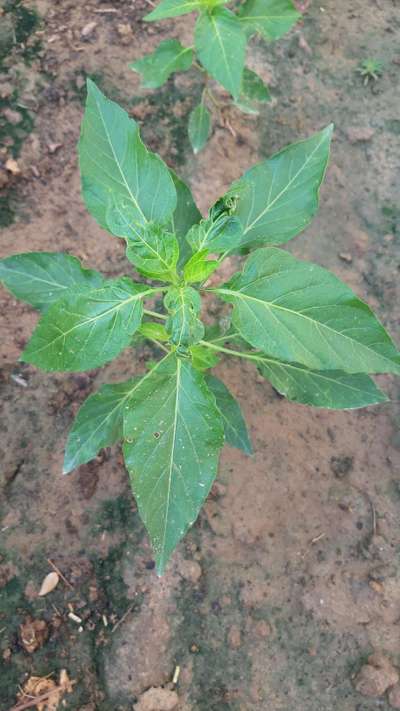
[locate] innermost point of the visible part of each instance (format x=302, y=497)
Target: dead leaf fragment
x=43, y=693
x=49, y=583
x=88, y=29
x=12, y=166
x=33, y=634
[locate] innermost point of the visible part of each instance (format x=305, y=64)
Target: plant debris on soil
x=286, y=593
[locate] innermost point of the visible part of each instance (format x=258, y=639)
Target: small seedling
x=370, y=69
x=304, y=330
x=219, y=52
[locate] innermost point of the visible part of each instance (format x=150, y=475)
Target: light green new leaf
x=156, y=67
x=271, y=18
x=98, y=424
x=153, y=251
x=199, y=268
x=234, y=425
x=199, y=127
x=278, y=198
x=186, y=214
x=115, y=163
x=84, y=331
x=253, y=91
x=185, y=328
x=331, y=389
x=221, y=47
x=173, y=8
x=42, y=278
x=301, y=313
x=154, y=331
x=173, y=436
x=203, y=358
x=216, y=235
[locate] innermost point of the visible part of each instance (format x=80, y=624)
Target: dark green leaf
x=221, y=47
x=199, y=268
x=199, y=127
x=98, y=424
x=115, y=163
x=253, y=91
x=234, y=425
x=278, y=198
x=324, y=388
x=153, y=251
x=216, y=235
x=42, y=278
x=271, y=18
x=156, y=68
x=186, y=214
x=173, y=8
x=173, y=436
x=301, y=313
x=185, y=328
x=203, y=358
x=86, y=330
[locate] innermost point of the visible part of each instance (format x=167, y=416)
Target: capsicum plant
x=304, y=330
x=219, y=52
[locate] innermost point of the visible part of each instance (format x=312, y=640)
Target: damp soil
x=290, y=577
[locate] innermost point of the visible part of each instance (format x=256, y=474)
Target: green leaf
x=153, y=251
x=186, y=214
x=199, y=268
x=42, y=278
x=185, y=328
x=278, y=198
x=154, y=331
x=173, y=436
x=199, y=127
x=98, y=424
x=173, y=8
x=301, y=313
x=324, y=388
x=115, y=163
x=203, y=358
x=271, y=18
x=221, y=47
x=86, y=330
x=156, y=67
x=216, y=235
x=253, y=90
x=234, y=425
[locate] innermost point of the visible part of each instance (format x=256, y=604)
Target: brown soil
x=290, y=578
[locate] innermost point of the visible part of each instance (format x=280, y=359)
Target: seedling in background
x=219, y=52
x=304, y=330
x=370, y=69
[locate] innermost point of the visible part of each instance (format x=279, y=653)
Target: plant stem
x=155, y=314
x=229, y=351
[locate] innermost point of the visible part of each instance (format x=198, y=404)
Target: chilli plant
x=304, y=330
x=219, y=52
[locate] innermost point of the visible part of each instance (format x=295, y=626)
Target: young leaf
x=42, y=278
x=253, y=90
x=115, y=163
x=278, y=198
x=203, y=358
x=321, y=388
x=153, y=251
x=221, y=47
x=86, y=330
x=185, y=328
x=299, y=312
x=173, y=8
x=234, y=425
x=216, y=235
x=271, y=18
x=186, y=214
x=156, y=67
x=98, y=423
x=173, y=436
x=199, y=127
x=154, y=331
x=199, y=268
